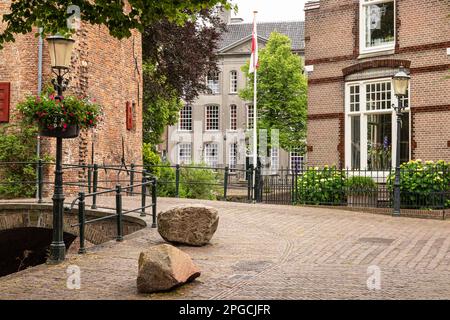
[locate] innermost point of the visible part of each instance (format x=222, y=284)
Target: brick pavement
x=267, y=252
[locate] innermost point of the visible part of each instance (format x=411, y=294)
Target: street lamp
x=401, y=83
x=60, y=55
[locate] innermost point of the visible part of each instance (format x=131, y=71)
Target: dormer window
x=377, y=25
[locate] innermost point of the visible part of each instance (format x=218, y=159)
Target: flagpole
x=255, y=116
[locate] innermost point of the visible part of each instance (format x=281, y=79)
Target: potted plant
x=60, y=117
x=362, y=192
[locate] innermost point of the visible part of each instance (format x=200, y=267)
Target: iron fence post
x=131, y=190
x=225, y=183
x=119, y=213
x=143, y=193
x=154, y=200
x=94, y=187
x=177, y=181
x=257, y=183
x=82, y=221
x=40, y=180
x=89, y=177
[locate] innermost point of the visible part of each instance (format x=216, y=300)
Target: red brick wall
x=423, y=35
x=103, y=68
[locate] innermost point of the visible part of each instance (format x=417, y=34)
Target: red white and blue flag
x=254, y=61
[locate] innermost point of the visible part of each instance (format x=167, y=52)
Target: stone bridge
x=26, y=228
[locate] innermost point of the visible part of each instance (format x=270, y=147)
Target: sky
x=271, y=10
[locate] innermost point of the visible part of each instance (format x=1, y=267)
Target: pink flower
x=52, y=97
x=65, y=125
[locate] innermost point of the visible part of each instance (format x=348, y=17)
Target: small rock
x=192, y=225
x=163, y=268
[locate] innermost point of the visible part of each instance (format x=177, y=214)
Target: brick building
x=352, y=50
x=104, y=68
x=216, y=129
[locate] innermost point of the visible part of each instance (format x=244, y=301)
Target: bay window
x=371, y=126
x=377, y=25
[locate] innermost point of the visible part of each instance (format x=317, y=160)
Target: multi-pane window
x=186, y=118
x=212, y=154
x=233, y=156
x=233, y=81
x=184, y=153
x=212, y=82
x=295, y=161
x=274, y=159
x=212, y=118
x=371, y=129
x=233, y=117
x=377, y=23
x=250, y=116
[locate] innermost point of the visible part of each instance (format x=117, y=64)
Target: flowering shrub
x=51, y=113
x=423, y=184
x=322, y=186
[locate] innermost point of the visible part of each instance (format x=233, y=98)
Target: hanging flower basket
x=60, y=118
x=72, y=131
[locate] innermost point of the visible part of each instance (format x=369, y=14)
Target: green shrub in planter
x=322, y=186
x=361, y=185
x=423, y=184
x=361, y=191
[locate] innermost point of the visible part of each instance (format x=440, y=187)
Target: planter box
x=70, y=133
x=363, y=200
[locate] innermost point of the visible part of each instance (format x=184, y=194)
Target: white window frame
x=274, y=159
x=233, y=82
x=363, y=113
x=250, y=120
x=186, y=160
x=211, y=160
x=212, y=84
x=233, y=156
x=233, y=117
x=187, y=116
x=362, y=28
x=295, y=155
x=207, y=118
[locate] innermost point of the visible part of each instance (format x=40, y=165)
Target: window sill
x=376, y=54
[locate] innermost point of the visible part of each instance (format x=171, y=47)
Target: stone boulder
x=163, y=268
x=192, y=225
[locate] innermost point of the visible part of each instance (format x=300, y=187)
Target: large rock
x=163, y=268
x=193, y=225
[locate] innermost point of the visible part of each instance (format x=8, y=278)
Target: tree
x=119, y=16
x=282, y=92
x=176, y=59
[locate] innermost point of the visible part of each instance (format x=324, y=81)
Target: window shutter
x=4, y=102
x=129, y=116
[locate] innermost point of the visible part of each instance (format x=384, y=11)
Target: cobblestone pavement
x=267, y=252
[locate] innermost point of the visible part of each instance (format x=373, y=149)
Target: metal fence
x=421, y=189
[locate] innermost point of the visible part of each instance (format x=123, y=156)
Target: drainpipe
x=39, y=90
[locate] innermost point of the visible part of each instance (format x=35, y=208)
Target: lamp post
x=401, y=83
x=60, y=55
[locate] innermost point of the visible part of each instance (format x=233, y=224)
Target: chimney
x=225, y=15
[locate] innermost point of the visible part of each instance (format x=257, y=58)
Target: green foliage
x=50, y=113
x=423, y=184
x=201, y=183
x=282, y=92
x=166, y=182
x=152, y=161
x=196, y=182
x=322, y=186
x=120, y=17
x=358, y=185
x=161, y=109
x=17, y=144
